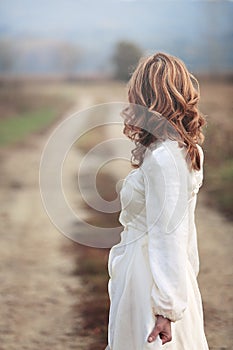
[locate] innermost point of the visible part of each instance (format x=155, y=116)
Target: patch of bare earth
x=215, y=237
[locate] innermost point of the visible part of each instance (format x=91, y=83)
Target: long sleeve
x=166, y=200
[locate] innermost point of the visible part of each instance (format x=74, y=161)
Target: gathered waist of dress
x=132, y=234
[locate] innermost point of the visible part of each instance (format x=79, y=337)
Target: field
x=53, y=290
x=216, y=104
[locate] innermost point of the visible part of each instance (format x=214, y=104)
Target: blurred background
x=62, y=56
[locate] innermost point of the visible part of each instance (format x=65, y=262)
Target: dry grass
x=217, y=104
x=92, y=266
x=91, y=263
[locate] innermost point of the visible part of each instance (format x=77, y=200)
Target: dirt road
x=215, y=236
x=38, y=288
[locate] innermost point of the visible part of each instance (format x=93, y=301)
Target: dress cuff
x=171, y=315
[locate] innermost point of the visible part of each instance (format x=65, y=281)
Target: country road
x=39, y=291
x=38, y=288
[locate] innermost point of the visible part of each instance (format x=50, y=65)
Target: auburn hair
x=169, y=96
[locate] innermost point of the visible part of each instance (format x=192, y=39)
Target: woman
x=155, y=302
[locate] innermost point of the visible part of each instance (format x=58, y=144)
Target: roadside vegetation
x=29, y=107
x=216, y=104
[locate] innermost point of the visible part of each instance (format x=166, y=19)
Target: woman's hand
x=163, y=329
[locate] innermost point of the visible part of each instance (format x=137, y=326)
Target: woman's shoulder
x=165, y=153
x=164, y=166
x=166, y=150
x=201, y=153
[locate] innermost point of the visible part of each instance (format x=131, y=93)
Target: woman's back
x=153, y=288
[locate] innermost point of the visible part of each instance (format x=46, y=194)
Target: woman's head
x=162, y=84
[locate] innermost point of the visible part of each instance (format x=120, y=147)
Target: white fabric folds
x=153, y=268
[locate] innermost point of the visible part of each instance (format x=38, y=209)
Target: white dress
x=153, y=269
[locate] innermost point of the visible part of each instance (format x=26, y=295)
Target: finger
x=165, y=338
x=154, y=334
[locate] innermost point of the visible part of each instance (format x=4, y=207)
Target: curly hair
x=169, y=96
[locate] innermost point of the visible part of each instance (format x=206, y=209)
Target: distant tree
x=125, y=59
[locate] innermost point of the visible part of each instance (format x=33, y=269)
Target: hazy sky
x=198, y=31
